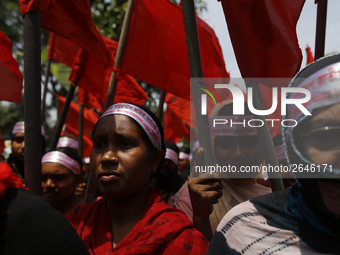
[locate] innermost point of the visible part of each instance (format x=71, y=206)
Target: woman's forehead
x=115, y=123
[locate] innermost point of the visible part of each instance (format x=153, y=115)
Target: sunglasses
x=325, y=139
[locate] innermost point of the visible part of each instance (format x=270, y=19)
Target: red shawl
x=160, y=230
x=8, y=179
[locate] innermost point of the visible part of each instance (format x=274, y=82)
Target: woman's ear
x=156, y=159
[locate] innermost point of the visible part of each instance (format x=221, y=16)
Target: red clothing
x=8, y=179
x=160, y=230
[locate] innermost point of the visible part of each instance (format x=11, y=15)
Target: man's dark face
x=18, y=146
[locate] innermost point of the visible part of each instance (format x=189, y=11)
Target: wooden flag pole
x=43, y=101
x=32, y=100
x=90, y=190
x=119, y=55
x=161, y=105
x=195, y=64
x=320, y=34
x=63, y=116
x=80, y=131
x=264, y=133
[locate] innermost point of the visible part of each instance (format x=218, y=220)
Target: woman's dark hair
x=147, y=140
x=70, y=152
x=172, y=146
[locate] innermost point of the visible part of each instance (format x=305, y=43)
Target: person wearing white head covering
x=16, y=159
x=232, y=145
x=305, y=218
x=167, y=180
x=61, y=174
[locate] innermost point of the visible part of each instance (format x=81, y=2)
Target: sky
x=305, y=31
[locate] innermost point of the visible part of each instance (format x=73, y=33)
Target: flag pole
x=161, y=105
x=43, y=101
x=32, y=100
x=63, y=116
x=81, y=131
x=90, y=190
x=320, y=34
x=119, y=55
x=195, y=64
x=264, y=133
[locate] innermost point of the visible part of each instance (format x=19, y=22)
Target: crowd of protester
x=147, y=201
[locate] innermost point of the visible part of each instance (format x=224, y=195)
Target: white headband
x=67, y=142
x=61, y=158
x=232, y=125
x=172, y=155
x=324, y=86
x=183, y=155
x=143, y=119
x=19, y=127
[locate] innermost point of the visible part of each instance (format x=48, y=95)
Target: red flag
x=87, y=142
x=10, y=75
x=161, y=58
x=88, y=100
x=2, y=145
x=180, y=106
x=174, y=129
x=94, y=79
x=310, y=57
x=263, y=34
x=90, y=117
x=71, y=19
x=176, y=118
x=61, y=50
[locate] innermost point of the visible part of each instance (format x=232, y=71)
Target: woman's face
x=121, y=163
x=18, y=146
x=58, y=182
x=321, y=136
x=238, y=151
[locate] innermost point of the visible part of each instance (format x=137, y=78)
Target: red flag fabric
x=8, y=179
x=176, y=118
x=161, y=58
x=310, y=57
x=87, y=142
x=71, y=19
x=177, y=121
x=90, y=117
x=11, y=77
x=174, y=129
x=88, y=100
x=180, y=106
x=61, y=50
x=94, y=79
x=2, y=145
x=263, y=34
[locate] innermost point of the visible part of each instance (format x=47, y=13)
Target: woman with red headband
x=131, y=218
